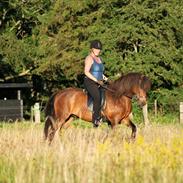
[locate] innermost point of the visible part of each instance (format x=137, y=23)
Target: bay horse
x=65, y=103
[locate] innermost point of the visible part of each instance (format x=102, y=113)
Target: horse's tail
x=50, y=115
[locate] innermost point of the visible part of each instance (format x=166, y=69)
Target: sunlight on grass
x=83, y=154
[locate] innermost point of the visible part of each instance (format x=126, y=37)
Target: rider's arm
x=88, y=64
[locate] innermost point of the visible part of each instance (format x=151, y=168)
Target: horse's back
x=70, y=101
x=70, y=96
x=71, y=91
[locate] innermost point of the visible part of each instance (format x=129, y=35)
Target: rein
x=105, y=87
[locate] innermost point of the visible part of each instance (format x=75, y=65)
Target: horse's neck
x=130, y=96
x=118, y=97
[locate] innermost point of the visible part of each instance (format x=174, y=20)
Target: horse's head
x=140, y=90
x=141, y=96
x=132, y=84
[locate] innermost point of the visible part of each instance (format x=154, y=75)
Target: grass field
x=85, y=155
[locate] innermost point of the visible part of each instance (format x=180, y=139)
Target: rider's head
x=96, y=47
x=96, y=44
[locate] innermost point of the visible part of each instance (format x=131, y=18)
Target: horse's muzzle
x=142, y=100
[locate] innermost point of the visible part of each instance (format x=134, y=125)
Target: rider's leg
x=94, y=91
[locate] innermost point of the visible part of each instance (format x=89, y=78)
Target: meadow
x=82, y=154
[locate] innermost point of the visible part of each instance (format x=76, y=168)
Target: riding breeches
x=94, y=91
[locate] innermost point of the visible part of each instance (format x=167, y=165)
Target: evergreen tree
x=50, y=40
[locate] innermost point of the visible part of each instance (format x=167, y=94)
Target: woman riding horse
x=94, y=77
x=118, y=104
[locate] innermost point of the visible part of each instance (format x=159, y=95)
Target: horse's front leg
x=134, y=129
x=130, y=124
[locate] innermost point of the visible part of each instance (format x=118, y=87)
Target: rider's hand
x=100, y=82
x=109, y=81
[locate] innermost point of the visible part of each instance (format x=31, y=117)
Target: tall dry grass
x=86, y=155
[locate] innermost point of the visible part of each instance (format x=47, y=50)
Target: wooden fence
x=14, y=109
x=156, y=109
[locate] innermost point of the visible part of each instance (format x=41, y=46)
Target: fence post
x=36, y=113
x=155, y=108
x=21, y=109
x=32, y=114
x=19, y=94
x=181, y=112
x=145, y=115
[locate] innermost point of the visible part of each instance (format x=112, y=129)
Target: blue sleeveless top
x=97, y=70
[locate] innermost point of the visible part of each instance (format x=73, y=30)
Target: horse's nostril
x=142, y=102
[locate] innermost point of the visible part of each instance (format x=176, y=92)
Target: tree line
x=46, y=41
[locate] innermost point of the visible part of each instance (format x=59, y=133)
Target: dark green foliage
x=51, y=39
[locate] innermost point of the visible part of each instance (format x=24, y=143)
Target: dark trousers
x=94, y=91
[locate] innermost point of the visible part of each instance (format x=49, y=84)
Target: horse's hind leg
x=68, y=122
x=49, y=128
x=63, y=123
x=130, y=124
x=52, y=127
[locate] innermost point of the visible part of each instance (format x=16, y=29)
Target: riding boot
x=97, y=122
